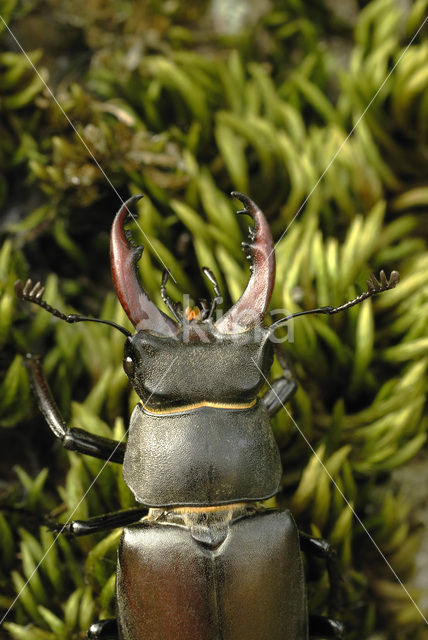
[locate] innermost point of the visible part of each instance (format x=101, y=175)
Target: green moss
x=171, y=106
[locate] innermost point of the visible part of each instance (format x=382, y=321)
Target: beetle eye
x=128, y=365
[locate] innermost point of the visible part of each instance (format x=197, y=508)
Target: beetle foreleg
x=281, y=391
x=74, y=439
x=103, y=629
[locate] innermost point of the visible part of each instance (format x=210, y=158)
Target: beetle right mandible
x=208, y=561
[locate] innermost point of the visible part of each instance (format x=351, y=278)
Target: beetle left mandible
x=208, y=561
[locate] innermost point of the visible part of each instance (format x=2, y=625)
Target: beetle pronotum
x=208, y=561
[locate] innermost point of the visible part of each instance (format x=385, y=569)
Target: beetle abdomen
x=250, y=586
x=201, y=456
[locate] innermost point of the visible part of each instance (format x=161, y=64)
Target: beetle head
x=209, y=366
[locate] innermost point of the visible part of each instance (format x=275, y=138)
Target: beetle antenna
x=33, y=293
x=374, y=287
x=165, y=297
x=211, y=277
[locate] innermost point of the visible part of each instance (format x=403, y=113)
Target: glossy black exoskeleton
x=207, y=561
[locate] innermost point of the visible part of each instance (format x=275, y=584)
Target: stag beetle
x=207, y=561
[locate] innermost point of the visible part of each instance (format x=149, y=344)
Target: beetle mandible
x=208, y=561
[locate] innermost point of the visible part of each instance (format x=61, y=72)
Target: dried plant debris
x=321, y=116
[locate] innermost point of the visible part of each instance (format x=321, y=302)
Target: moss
x=173, y=104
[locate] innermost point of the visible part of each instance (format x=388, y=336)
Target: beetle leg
x=321, y=548
x=105, y=522
x=103, y=629
x=323, y=627
x=282, y=389
x=74, y=439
